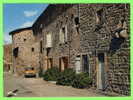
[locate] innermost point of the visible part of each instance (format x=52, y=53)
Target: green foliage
x=40, y=73
x=51, y=74
x=66, y=77
x=81, y=80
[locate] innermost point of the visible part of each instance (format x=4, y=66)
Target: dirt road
x=37, y=87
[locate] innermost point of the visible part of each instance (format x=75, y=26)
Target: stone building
x=7, y=57
x=91, y=38
x=25, y=50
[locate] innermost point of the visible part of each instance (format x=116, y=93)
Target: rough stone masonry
x=90, y=38
x=25, y=51
x=93, y=38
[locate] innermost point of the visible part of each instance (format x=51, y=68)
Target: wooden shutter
x=49, y=40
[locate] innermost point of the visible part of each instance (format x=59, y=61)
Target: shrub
x=81, y=80
x=51, y=74
x=66, y=77
x=40, y=73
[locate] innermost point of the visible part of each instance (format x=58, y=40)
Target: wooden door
x=101, y=72
x=77, y=64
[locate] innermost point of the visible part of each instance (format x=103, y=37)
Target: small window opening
x=48, y=50
x=41, y=26
x=101, y=57
x=15, y=52
x=99, y=17
x=85, y=63
x=76, y=20
x=63, y=34
x=41, y=47
x=63, y=30
x=72, y=16
x=50, y=62
x=49, y=40
x=24, y=39
x=32, y=49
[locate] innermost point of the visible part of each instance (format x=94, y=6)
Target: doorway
x=85, y=63
x=78, y=64
x=63, y=63
x=101, y=71
x=49, y=63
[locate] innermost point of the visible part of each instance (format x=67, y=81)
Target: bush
x=51, y=74
x=66, y=77
x=81, y=80
x=40, y=73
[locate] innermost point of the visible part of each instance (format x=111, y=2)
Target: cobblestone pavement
x=37, y=87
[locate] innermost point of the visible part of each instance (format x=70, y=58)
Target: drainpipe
x=79, y=11
x=13, y=67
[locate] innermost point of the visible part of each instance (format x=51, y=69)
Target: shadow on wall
x=115, y=44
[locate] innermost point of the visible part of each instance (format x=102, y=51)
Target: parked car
x=29, y=72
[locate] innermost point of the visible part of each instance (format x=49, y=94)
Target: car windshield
x=29, y=68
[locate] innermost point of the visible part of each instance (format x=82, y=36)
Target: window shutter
x=60, y=36
x=49, y=40
x=65, y=33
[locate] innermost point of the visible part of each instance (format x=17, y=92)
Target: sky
x=20, y=16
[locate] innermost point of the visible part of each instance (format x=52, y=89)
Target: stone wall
x=64, y=16
x=102, y=38
x=7, y=57
x=102, y=29
x=70, y=47
x=28, y=51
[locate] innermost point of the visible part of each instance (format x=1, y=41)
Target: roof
x=48, y=12
x=45, y=10
x=49, y=15
x=19, y=30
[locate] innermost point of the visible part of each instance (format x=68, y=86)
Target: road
x=37, y=87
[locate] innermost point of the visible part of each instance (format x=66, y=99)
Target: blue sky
x=20, y=16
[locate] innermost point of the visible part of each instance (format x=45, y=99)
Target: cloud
x=30, y=13
x=7, y=38
x=26, y=24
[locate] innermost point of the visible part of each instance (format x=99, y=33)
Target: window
x=101, y=76
x=99, y=19
x=32, y=68
x=76, y=20
x=85, y=63
x=41, y=49
x=63, y=30
x=41, y=26
x=99, y=16
x=24, y=39
x=15, y=52
x=49, y=40
x=47, y=51
x=50, y=63
x=78, y=64
x=72, y=16
x=63, y=34
x=32, y=49
x=63, y=63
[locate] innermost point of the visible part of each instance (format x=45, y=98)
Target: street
x=37, y=87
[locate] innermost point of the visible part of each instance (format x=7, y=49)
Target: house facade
x=25, y=51
x=7, y=57
x=91, y=38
